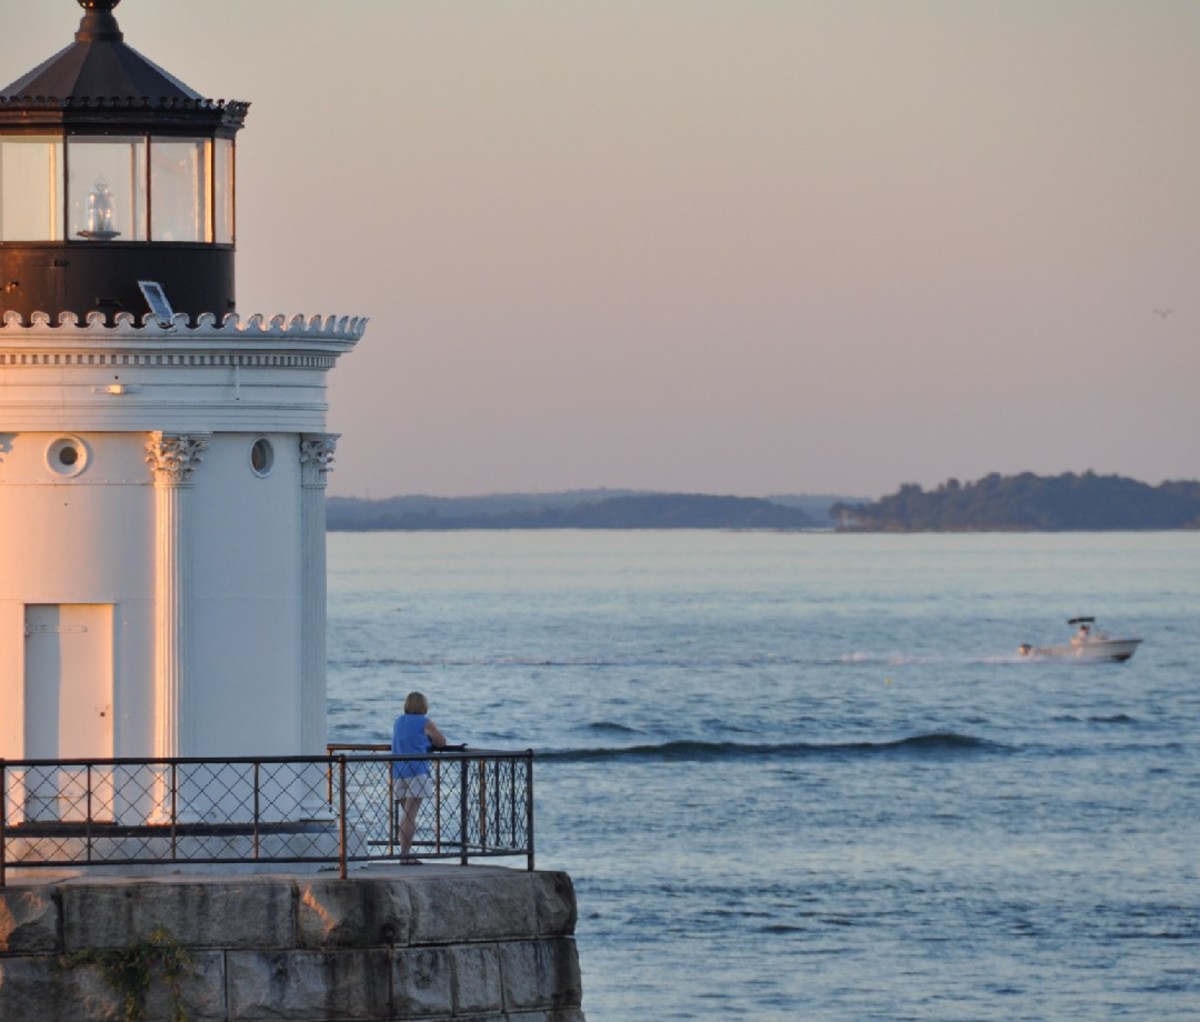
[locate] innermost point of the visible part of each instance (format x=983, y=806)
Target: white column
x=316, y=457
x=173, y=457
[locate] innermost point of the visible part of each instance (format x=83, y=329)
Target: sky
x=724, y=246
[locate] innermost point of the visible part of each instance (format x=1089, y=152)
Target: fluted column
x=173, y=458
x=316, y=457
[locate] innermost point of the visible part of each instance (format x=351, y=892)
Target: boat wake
x=907, y=659
x=852, y=659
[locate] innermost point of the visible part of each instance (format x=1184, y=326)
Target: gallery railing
x=341, y=808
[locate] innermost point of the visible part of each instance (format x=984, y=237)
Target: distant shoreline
x=1021, y=503
x=581, y=509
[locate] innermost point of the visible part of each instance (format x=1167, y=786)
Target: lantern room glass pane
x=31, y=188
x=106, y=188
x=180, y=190
x=223, y=191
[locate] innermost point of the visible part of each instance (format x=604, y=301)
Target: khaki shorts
x=418, y=786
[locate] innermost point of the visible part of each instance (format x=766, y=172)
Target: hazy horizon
x=592, y=490
x=780, y=246
x=660, y=491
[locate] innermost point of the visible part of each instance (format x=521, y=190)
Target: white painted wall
x=78, y=540
x=85, y=533
x=246, y=595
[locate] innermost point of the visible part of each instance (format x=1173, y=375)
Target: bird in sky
x=1164, y=313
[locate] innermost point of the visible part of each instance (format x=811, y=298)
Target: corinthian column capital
x=316, y=457
x=174, y=456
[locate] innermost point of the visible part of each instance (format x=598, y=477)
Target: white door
x=69, y=707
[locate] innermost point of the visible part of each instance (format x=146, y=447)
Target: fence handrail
x=340, y=807
x=466, y=752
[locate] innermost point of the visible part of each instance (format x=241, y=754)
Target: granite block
x=475, y=972
x=308, y=986
x=554, y=895
x=541, y=974
x=29, y=920
x=421, y=983
x=361, y=913
x=255, y=913
x=457, y=910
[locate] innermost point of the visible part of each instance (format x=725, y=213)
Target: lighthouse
x=163, y=456
x=163, y=461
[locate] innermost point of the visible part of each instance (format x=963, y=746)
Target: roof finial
x=99, y=22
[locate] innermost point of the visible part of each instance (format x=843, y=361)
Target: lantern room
x=112, y=173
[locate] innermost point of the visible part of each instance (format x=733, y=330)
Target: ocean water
x=805, y=775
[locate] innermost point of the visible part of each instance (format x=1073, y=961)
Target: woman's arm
x=435, y=736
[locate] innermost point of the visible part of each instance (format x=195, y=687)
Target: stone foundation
x=428, y=943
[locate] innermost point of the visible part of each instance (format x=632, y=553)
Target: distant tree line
x=586, y=509
x=1027, y=502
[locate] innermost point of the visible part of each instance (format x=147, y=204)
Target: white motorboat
x=1087, y=645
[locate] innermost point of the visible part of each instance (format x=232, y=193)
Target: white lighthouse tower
x=162, y=460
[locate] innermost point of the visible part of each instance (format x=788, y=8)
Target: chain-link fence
x=356, y=804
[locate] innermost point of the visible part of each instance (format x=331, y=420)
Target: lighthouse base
x=431, y=942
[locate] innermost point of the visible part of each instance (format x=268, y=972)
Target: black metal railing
x=340, y=808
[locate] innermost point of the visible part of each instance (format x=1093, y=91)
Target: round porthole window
x=67, y=456
x=262, y=457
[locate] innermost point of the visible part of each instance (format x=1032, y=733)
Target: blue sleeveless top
x=409, y=738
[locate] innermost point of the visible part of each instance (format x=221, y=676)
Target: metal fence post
x=512, y=801
x=529, y=805
x=342, y=817
x=3, y=819
x=437, y=806
x=88, y=810
x=257, y=807
x=464, y=817
x=483, y=806
x=174, y=810
x=392, y=815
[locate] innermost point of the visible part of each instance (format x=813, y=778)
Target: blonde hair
x=416, y=703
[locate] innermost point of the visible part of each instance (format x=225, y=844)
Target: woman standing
x=412, y=734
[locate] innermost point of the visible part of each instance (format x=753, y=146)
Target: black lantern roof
x=98, y=83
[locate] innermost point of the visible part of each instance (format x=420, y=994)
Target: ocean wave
x=936, y=743
x=612, y=727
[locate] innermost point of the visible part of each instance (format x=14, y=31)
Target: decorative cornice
x=316, y=457
x=207, y=325
x=54, y=111
x=118, y=359
x=280, y=342
x=174, y=456
x=236, y=106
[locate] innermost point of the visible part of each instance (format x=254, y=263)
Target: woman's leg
x=410, y=805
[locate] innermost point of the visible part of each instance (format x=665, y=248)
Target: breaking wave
x=934, y=744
